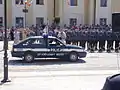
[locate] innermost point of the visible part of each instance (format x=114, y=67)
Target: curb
x=63, y=73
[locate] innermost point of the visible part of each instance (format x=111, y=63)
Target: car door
x=39, y=47
x=55, y=48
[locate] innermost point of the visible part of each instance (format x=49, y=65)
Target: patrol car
x=46, y=47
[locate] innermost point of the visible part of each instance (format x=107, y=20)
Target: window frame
x=20, y=2
x=73, y=2
x=22, y=18
x=104, y=19
x=40, y=19
x=40, y=2
x=32, y=44
x=103, y=3
x=1, y=2
x=75, y=21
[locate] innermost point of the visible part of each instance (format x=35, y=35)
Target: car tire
x=73, y=56
x=29, y=57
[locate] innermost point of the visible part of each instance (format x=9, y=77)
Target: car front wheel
x=28, y=57
x=73, y=57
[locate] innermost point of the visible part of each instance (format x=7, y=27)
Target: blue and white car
x=46, y=47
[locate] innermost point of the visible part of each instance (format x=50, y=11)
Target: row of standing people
x=96, y=40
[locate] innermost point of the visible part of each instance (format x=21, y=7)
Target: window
x=103, y=3
x=73, y=21
x=37, y=41
x=54, y=42
x=73, y=2
x=19, y=1
x=34, y=41
x=19, y=22
x=1, y=21
x=40, y=2
x=0, y=1
x=103, y=21
x=39, y=20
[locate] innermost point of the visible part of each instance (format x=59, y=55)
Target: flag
x=28, y=2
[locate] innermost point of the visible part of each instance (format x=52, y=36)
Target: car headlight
x=14, y=49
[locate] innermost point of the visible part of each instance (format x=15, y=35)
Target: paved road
x=93, y=61
x=87, y=74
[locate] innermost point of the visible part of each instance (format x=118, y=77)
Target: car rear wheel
x=28, y=57
x=73, y=57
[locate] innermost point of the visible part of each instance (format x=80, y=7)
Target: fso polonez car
x=46, y=47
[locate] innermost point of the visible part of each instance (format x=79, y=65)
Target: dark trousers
x=109, y=44
x=101, y=44
x=82, y=43
x=117, y=44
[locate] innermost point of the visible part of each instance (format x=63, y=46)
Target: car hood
x=74, y=46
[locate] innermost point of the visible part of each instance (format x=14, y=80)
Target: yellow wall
x=115, y=5
x=50, y=10
x=86, y=11
x=9, y=13
x=29, y=17
x=57, y=8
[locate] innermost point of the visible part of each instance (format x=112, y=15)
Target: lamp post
x=54, y=11
x=25, y=10
x=5, y=79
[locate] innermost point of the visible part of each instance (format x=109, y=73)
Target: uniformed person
x=88, y=40
x=82, y=37
x=12, y=33
x=96, y=40
x=92, y=41
x=109, y=41
x=68, y=39
x=101, y=39
x=117, y=40
x=112, y=40
x=73, y=38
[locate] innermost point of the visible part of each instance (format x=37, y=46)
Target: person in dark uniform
x=88, y=40
x=101, y=39
x=96, y=39
x=117, y=41
x=80, y=37
x=109, y=41
x=12, y=33
x=74, y=38
x=112, y=40
x=92, y=41
x=112, y=83
x=68, y=39
x=83, y=39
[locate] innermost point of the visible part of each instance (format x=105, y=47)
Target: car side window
x=38, y=41
x=54, y=42
x=34, y=42
x=27, y=42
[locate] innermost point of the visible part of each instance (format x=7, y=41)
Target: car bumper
x=82, y=54
x=17, y=54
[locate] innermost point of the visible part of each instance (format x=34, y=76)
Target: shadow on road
x=44, y=62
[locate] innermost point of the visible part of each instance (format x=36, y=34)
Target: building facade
x=62, y=11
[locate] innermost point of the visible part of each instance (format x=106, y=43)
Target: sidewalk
x=57, y=80
x=10, y=43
